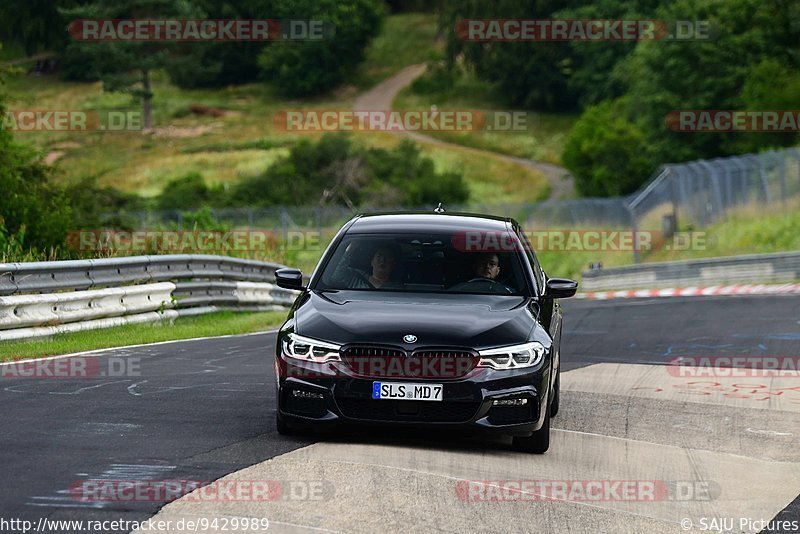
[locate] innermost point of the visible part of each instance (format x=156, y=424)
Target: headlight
x=310, y=350
x=514, y=357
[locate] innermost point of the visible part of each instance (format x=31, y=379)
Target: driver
x=486, y=268
x=486, y=265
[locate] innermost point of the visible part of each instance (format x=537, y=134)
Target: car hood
x=474, y=321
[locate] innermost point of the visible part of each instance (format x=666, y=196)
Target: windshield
x=421, y=262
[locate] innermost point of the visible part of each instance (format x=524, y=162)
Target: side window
x=537, y=268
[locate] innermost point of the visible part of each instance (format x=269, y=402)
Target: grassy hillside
x=542, y=140
x=748, y=230
x=405, y=39
x=243, y=140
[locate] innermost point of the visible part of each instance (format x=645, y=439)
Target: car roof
x=413, y=221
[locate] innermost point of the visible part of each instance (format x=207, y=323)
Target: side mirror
x=289, y=278
x=560, y=288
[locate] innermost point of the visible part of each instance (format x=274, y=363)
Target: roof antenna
x=439, y=208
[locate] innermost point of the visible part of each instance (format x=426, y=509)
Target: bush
x=95, y=207
x=438, y=79
x=187, y=192
x=608, y=154
x=334, y=170
x=29, y=204
x=414, y=177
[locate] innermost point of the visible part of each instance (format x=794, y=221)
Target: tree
x=531, y=75
x=770, y=85
x=607, y=153
x=35, y=25
x=219, y=64
x=592, y=68
x=663, y=76
x=126, y=66
x=314, y=66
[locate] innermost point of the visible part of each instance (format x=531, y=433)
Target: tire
x=556, y=395
x=539, y=441
x=281, y=426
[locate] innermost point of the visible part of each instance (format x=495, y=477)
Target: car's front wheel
x=556, y=395
x=280, y=423
x=539, y=441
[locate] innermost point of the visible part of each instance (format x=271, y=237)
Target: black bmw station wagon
x=424, y=319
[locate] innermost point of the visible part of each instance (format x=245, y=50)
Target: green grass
x=11, y=51
x=405, y=39
x=224, y=149
x=214, y=324
x=542, y=140
x=750, y=230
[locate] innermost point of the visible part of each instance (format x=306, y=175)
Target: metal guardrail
x=751, y=269
x=45, y=298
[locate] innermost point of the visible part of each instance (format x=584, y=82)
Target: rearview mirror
x=289, y=278
x=560, y=288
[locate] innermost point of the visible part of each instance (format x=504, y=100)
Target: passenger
x=382, y=264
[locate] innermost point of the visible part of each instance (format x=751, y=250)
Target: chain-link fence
x=701, y=192
x=696, y=193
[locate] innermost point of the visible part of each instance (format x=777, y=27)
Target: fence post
x=674, y=194
x=763, y=177
x=284, y=225
x=782, y=174
x=634, y=230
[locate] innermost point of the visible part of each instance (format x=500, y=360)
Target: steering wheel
x=363, y=278
x=492, y=285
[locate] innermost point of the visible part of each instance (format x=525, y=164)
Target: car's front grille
x=410, y=411
x=430, y=364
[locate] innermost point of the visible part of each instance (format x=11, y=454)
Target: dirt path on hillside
x=36, y=57
x=382, y=95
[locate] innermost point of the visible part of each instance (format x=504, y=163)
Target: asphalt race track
x=715, y=448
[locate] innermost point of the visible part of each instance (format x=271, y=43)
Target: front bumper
x=327, y=394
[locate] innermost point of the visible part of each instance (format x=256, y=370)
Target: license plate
x=406, y=391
